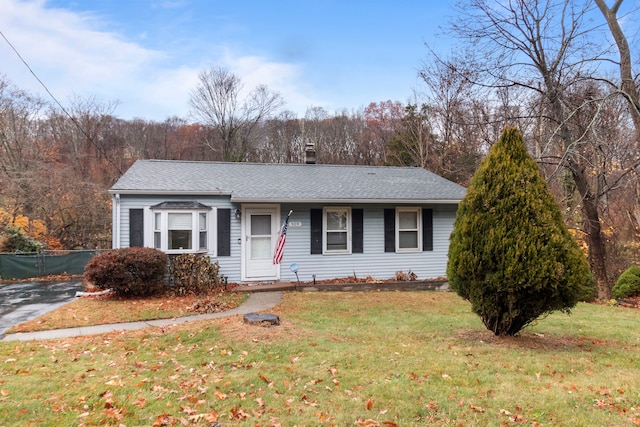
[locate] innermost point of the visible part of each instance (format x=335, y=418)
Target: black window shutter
x=389, y=230
x=357, y=235
x=316, y=231
x=224, y=232
x=136, y=227
x=427, y=229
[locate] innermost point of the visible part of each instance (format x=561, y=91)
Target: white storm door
x=260, y=234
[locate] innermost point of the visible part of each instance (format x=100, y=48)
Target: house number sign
x=295, y=224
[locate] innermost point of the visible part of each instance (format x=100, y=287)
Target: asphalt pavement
x=257, y=301
x=24, y=301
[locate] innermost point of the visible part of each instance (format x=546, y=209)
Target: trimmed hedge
x=129, y=271
x=628, y=284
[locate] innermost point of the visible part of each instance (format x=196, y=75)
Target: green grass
x=342, y=359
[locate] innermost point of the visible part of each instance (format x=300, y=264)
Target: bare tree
x=544, y=48
x=216, y=102
x=22, y=151
x=628, y=83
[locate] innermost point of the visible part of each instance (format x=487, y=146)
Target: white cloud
x=75, y=54
x=69, y=53
x=280, y=77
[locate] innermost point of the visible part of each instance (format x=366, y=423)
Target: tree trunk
x=628, y=85
x=597, y=252
x=595, y=242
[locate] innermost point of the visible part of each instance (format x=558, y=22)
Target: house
x=345, y=220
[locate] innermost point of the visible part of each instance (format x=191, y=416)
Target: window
x=337, y=230
x=408, y=236
x=203, y=228
x=157, y=234
x=180, y=231
x=180, y=227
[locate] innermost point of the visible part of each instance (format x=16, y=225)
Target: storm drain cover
x=265, y=319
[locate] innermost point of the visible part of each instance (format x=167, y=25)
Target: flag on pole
x=282, y=237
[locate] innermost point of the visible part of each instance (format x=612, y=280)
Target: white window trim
x=325, y=210
x=195, y=230
x=418, y=210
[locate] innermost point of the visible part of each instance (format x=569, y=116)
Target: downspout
x=115, y=243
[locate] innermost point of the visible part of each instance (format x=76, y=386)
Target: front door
x=260, y=230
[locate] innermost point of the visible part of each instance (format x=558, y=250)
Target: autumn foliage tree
x=511, y=254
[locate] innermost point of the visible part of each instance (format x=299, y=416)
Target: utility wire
x=64, y=110
x=37, y=78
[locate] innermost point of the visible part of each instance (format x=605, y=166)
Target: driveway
x=20, y=302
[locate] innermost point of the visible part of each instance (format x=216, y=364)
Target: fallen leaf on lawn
x=263, y=378
x=322, y=416
x=239, y=414
x=164, y=420
x=367, y=423
x=220, y=395
x=446, y=377
x=116, y=381
x=517, y=418
x=187, y=410
x=140, y=403
x=114, y=413
x=389, y=424
x=211, y=417
x=476, y=408
x=369, y=404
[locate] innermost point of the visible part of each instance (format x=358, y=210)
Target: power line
x=64, y=110
x=36, y=77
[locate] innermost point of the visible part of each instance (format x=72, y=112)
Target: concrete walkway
x=258, y=301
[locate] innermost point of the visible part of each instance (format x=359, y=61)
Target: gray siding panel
x=229, y=265
x=372, y=262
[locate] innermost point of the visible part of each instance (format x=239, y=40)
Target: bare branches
x=216, y=102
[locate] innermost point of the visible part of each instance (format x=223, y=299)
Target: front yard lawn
x=337, y=359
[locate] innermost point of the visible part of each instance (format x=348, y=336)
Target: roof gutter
x=281, y=200
x=170, y=192
x=354, y=201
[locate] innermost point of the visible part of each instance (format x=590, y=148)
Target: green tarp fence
x=46, y=263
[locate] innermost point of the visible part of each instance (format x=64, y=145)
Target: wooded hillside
x=561, y=71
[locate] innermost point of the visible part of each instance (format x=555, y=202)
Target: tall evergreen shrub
x=511, y=254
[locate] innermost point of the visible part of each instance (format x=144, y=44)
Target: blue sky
x=146, y=54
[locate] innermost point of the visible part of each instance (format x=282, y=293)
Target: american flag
x=282, y=238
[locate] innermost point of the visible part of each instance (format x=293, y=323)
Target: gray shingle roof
x=278, y=182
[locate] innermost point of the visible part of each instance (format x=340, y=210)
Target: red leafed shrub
x=129, y=271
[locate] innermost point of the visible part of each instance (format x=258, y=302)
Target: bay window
x=181, y=227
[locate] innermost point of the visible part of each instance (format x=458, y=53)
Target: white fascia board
x=170, y=193
x=348, y=201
